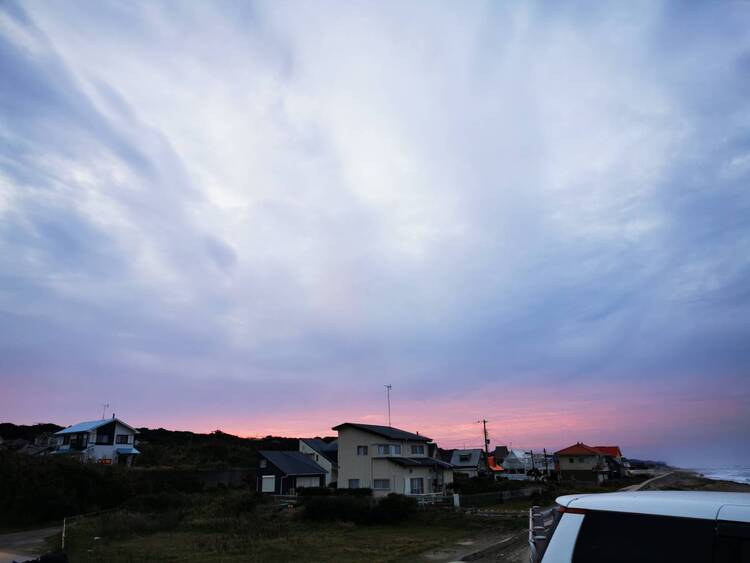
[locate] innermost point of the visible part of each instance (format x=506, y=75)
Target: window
x=104, y=439
x=464, y=457
x=572, y=460
x=263, y=463
x=66, y=439
x=361, y=450
x=381, y=484
x=389, y=449
x=619, y=537
x=581, y=460
x=123, y=439
x=417, y=485
x=417, y=449
x=354, y=483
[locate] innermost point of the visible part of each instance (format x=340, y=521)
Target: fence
x=70, y=520
x=497, y=497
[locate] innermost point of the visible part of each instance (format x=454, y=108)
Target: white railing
x=424, y=499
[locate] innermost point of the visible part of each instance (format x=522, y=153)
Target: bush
x=314, y=492
x=393, y=509
x=156, y=502
x=359, y=509
x=361, y=492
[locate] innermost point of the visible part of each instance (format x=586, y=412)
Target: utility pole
x=104, y=409
x=546, y=466
x=388, y=391
x=486, y=439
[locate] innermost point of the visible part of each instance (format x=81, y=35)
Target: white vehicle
x=644, y=527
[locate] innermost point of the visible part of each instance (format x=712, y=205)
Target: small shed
x=283, y=473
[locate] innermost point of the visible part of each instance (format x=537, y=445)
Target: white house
x=388, y=460
x=469, y=462
x=324, y=454
x=106, y=441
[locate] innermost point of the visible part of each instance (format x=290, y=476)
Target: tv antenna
x=104, y=410
x=388, y=393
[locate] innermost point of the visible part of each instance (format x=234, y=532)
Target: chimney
x=113, y=416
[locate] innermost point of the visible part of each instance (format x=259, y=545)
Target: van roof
x=684, y=504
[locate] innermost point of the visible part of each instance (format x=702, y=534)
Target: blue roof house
x=106, y=441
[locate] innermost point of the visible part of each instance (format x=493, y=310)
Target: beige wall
x=319, y=459
x=580, y=463
x=373, y=466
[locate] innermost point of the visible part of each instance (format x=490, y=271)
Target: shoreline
x=690, y=480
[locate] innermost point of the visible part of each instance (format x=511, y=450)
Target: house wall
x=579, y=462
x=104, y=453
x=319, y=459
x=373, y=466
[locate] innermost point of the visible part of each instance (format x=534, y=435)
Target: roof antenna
x=388, y=391
x=104, y=410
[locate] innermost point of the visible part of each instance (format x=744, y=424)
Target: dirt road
x=20, y=546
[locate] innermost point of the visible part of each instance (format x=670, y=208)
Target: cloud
x=305, y=198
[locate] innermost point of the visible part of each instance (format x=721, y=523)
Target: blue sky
x=253, y=215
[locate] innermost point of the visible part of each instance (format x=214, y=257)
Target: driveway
x=21, y=546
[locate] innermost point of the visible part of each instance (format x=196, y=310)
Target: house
x=518, y=465
x=106, y=441
x=496, y=470
x=500, y=454
x=580, y=462
x=46, y=440
x=283, y=473
x=325, y=454
x=469, y=463
x=389, y=460
x=615, y=461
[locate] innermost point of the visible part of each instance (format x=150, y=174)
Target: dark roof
x=385, y=431
x=473, y=458
x=293, y=463
x=501, y=452
x=420, y=462
x=329, y=450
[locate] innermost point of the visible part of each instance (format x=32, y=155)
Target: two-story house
x=325, y=454
x=106, y=441
x=469, y=463
x=388, y=460
x=580, y=462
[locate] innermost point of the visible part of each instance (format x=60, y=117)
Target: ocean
x=738, y=474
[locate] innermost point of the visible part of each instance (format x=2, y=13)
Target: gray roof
x=473, y=461
x=420, y=462
x=293, y=463
x=385, y=431
x=329, y=450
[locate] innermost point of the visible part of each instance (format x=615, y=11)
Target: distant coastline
x=697, y=480
x=736, y=474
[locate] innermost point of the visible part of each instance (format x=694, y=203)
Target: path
x=21, y=546
x=647, y=482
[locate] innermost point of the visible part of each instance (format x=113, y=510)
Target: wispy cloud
x=234, y=207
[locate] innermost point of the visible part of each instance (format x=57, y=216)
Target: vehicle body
x=644, y=527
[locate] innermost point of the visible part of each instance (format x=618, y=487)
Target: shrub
x=393, y=509
x=314, y=491
x=346, y=508
x=156, y=502
x=359, y=509
x=361, y=492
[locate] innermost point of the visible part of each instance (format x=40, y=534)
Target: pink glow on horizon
x=615, y=414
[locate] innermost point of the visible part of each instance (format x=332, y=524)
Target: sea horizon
x=734, y=473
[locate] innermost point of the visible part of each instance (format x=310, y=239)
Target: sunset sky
x=253, y=216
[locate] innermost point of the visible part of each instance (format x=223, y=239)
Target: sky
x=251, y=216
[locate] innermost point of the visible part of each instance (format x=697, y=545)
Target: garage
x=308, y=481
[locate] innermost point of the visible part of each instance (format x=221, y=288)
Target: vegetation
x=37, y=490
x=236, y=525
x=392, y=509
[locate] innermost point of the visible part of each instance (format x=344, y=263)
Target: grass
x=263, y=533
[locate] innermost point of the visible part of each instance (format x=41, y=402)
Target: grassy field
x=212, y=529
